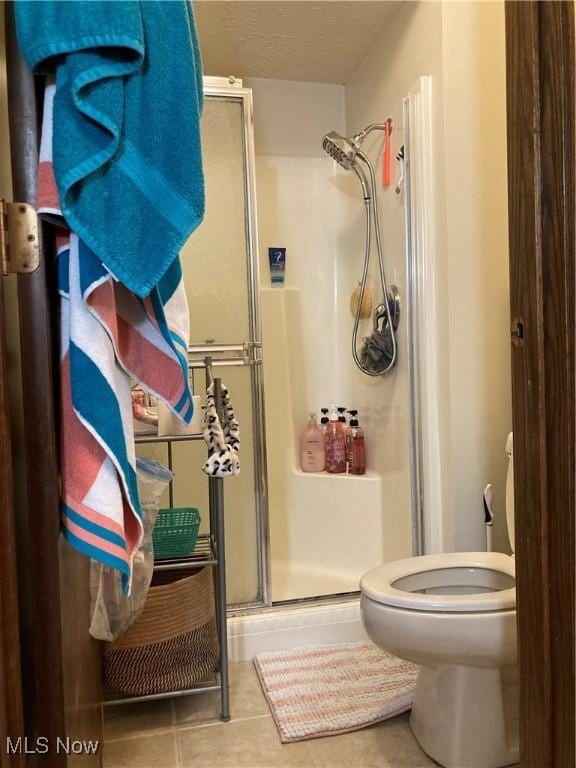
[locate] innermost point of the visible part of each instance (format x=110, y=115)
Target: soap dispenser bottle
x=324, y=420
x=312, y=450
x=355, y=447
x=343, y=426
x=335, y=445
x=342, y=419
x=353, y=422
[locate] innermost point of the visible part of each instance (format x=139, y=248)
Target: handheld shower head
x=347, y=152
x=343, y=150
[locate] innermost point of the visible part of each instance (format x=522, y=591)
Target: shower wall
x=461, y=45
x=325, y=530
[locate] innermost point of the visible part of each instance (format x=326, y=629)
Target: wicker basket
x=174, y=643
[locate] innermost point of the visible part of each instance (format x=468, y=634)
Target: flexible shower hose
x=371, y=205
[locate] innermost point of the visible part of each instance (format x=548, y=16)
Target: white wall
x=307, y=203
x=461, y=45
x=290, y=118
x=474, y=103
x=301, y=207
x=409, y=47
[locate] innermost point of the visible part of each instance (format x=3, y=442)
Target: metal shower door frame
x=231, y=89
x=430, y=526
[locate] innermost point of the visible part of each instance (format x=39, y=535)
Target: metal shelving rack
x=210, y=550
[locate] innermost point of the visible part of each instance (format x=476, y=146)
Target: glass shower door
x=220, y=264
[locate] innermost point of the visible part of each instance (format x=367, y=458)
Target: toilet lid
x=458, y=581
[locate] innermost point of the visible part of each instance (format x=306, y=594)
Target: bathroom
x=326, y=530
x=431, y=179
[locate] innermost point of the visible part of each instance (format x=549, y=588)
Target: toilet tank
x=510, y=491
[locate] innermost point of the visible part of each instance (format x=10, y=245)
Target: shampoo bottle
x=312, y=453
x=335, y=445
x=349, y=437
x=344, y=428
x=324, y=420
x=355, y=448
x=342, y=419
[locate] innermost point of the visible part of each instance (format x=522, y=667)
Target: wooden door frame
x=61, y=669
x=541, y=143
x=11, y=714
x=41, y=629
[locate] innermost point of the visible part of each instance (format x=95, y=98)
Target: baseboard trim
x=277, y=630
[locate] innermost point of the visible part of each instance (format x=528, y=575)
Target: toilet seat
x=466, y=582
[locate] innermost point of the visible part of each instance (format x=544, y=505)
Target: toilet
x=454, y=614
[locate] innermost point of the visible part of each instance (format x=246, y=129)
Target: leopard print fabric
x=223, y=441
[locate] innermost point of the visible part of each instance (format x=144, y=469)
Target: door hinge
x=19, y=247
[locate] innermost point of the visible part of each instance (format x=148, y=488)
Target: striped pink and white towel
x=331, y=689
x=107, y=336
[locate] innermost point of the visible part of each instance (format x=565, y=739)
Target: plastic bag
x=112, y=612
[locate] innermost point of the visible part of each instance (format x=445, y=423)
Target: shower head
x=343, y=150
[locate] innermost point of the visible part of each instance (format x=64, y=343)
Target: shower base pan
x=287, y=626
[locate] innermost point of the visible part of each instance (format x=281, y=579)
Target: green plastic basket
x=176, y=531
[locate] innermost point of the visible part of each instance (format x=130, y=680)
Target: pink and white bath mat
x=330, y=689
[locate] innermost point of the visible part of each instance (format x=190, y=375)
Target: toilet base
x=466, y=717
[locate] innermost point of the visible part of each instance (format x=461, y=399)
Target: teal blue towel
x=126, y=146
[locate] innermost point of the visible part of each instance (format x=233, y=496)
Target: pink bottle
x=335, y=445
x=312, y=453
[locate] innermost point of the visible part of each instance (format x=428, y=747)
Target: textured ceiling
x=319, y=42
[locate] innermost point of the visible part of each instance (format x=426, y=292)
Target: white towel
x=223, y=441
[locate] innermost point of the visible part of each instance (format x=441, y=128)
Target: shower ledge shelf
x=369, y=475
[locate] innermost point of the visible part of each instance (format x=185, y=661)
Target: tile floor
x=186, y=733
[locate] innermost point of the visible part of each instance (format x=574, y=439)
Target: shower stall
x=327, y=530
x=283, y=351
